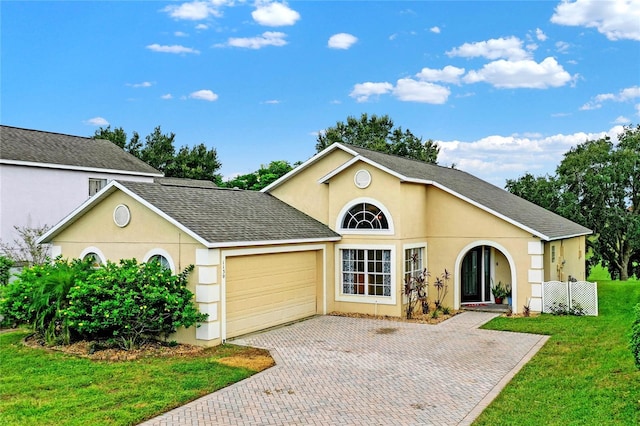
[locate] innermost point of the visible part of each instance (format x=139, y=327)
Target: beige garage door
x=269, y=289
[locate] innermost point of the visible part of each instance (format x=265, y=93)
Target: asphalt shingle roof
x=496, y=199
x=221, y=215
x=65, y=150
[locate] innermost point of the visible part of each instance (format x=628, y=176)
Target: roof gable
x=509, y=207
x=216, y=217
x=46, y=149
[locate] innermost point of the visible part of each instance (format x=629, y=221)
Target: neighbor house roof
x=518, y=211
x=45, y=149
x=217, y=217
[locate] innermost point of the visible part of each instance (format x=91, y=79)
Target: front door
x=475, y=275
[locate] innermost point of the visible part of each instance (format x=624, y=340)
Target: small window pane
x=96, y=262
x=161, y=259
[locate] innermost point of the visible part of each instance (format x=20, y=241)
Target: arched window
x=161, y=256
x=95, y=255
x=365, y=216
x=96, y=261
x=163, y=261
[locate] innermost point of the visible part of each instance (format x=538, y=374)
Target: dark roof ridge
x=51, y=133
x=401, y=157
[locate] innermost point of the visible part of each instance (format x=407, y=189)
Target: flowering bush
x=127, y=302
x=130, y=302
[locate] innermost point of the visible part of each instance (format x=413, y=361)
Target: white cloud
x=622, y=120
x=540, y=35
x=268, y=38
x=616, y=19
x=410, y=90
x=167, y=96
x=176, y=48
x=435, y=30
x=180, y=34
x=363, y=91
x=202, y=27
x=627, y=94
x=492, y=156
x=274, y=14
x=448, y=74
x=562, y=46
x=97, y=121
x=205, y=95
x=143, y=84
x=342, y=41
x=193, y=11
x=508, y=48
x=272, y=102
x=521, y=74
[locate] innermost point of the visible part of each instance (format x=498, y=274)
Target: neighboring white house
x=44, y=176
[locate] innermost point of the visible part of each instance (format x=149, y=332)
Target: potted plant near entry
x=507, y=291
x=499, y=292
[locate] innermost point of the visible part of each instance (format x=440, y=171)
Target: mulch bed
x=100, y=352
x=419, y=318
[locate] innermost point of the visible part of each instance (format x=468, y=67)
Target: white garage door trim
x=267, y=250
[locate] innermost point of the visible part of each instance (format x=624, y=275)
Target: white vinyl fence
x=579, y=297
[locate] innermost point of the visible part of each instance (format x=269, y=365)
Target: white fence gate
x=577, y=296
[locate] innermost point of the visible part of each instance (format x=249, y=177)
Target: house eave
x=77, y=168
x=306, y=164
x=227, y=244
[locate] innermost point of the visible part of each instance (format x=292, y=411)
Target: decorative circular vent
x=121, y=215
x=362, y=179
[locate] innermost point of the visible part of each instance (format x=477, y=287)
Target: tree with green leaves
x=379, y=134
x=158, y=151
x=597, y=184
x=261, y=178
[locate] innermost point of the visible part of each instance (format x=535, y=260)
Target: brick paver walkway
x=352, y=371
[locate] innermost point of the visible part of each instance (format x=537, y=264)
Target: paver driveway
x=352, y=371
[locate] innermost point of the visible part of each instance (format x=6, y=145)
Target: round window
x=121, y=215
x=362, y=179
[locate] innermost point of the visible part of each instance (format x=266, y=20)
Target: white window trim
x=405, y=247
x=379, y=300
x=95, y=250
x=345, y=209
x=161, y=252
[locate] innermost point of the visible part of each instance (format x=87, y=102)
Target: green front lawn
x=40, y=387
x=584, y=375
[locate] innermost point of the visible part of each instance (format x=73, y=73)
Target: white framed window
x=98, y=258
x=364, y=216
x=366, y=274
x=162, y=256
x=414, y=261
x=95, y=185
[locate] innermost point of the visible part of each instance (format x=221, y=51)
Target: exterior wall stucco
x=303, y=191
x=455, y=224
x=569, y=259
x=38, y=196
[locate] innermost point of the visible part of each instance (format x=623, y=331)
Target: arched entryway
x=480, y=265
x=476, y=275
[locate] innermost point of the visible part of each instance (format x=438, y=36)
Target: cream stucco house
x=334, y=234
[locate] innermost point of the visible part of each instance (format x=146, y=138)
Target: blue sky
x=504, y=87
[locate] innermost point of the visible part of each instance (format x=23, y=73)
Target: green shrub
x=131, y=302
x=6, y=264
x=635, y=337
x=39, y=295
